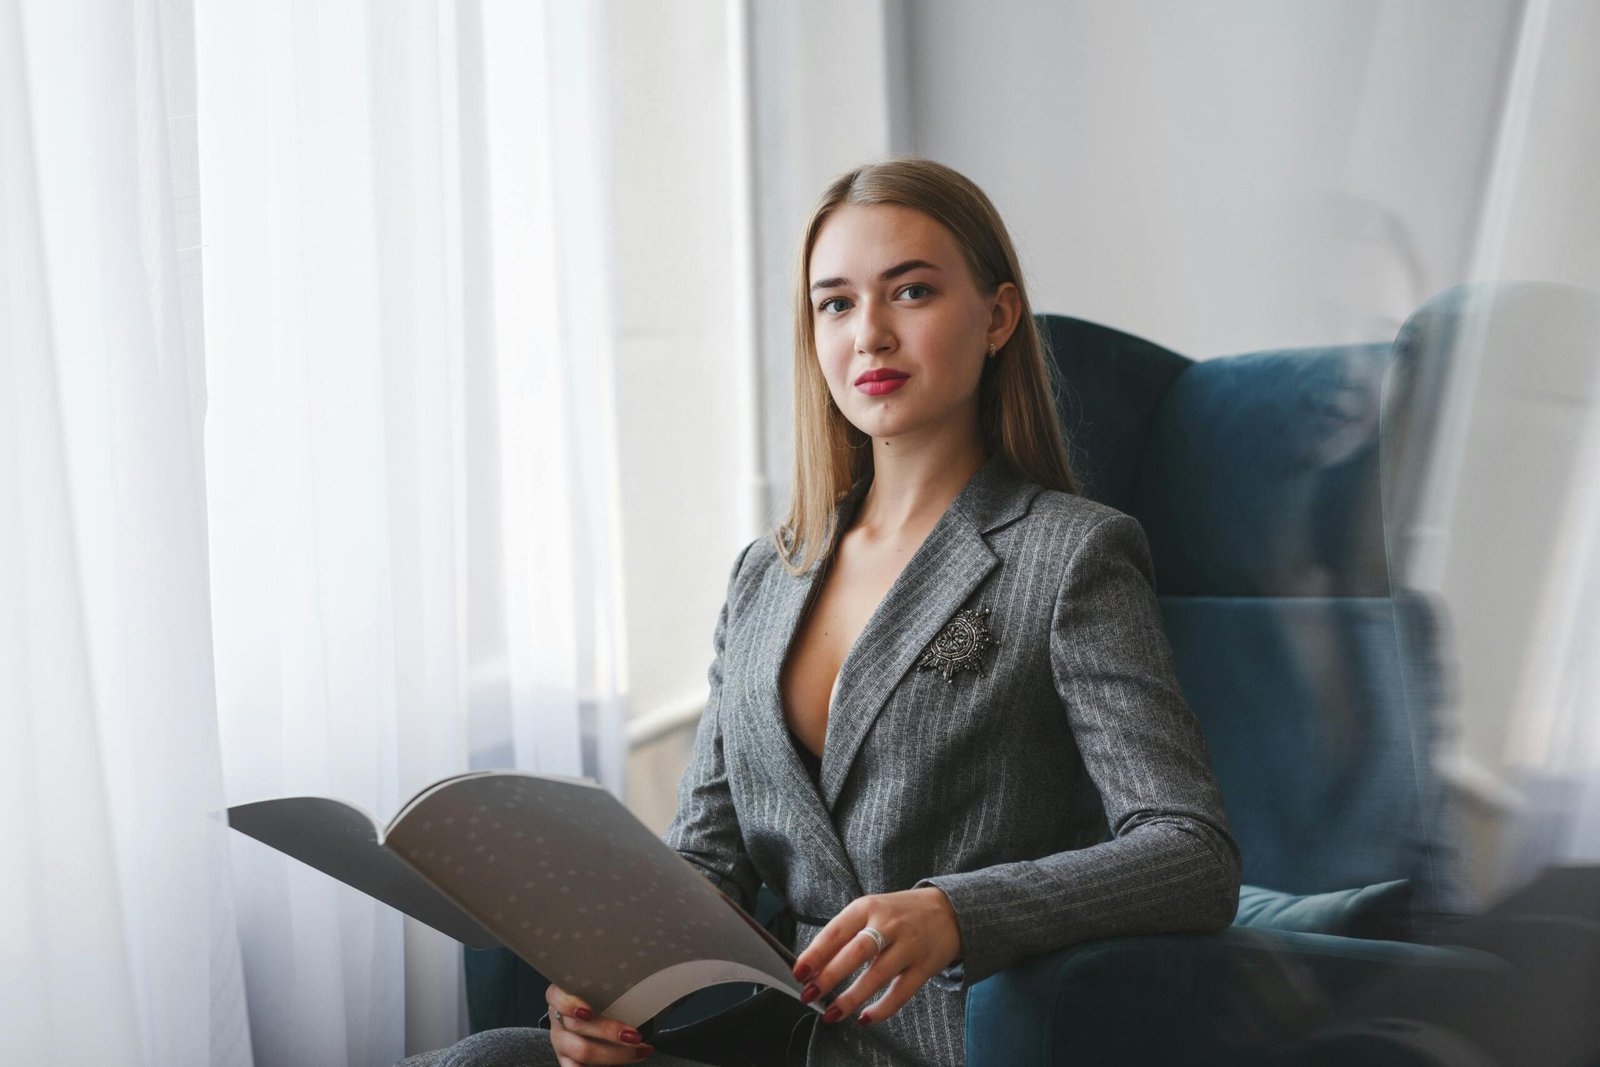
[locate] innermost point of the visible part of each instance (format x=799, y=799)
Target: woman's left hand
x=920, y=937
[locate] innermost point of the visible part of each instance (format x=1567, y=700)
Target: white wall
x=679, y=357
x=1219, y=177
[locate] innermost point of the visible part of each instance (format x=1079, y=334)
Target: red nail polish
x=802, y=972
x=835, y=1013
x=642, y=1051
x=586, y=1014
x=864, y=1019
x=809, y=993
x=629, y=1037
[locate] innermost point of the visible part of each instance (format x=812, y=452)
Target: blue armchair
x=1269, y=485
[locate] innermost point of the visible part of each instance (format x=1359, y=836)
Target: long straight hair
x=1016, y=399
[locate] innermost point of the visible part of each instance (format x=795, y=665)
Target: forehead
x=860, y=240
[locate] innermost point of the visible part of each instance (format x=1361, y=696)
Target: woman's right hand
x=581, y=1037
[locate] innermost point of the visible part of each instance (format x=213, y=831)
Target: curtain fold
x=407, y=540
x=119, y=930
x=308, y=487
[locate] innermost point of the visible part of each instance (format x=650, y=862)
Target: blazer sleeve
x=705, y=829
x=1172, y=864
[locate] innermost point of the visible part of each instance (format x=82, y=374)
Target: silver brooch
x=960, y=645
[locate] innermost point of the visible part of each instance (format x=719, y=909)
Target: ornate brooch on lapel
x=960, y=645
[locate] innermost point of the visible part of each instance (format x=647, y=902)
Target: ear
x=1005, y=309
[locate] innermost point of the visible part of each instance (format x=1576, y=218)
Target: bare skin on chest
x=854, y=585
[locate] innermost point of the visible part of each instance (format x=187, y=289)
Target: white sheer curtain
x=117, y=936
x=411, y=553
x=364, y=537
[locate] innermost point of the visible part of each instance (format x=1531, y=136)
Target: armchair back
x=1260, y=482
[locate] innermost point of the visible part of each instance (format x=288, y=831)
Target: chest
x=909, y=755
x=841, y=603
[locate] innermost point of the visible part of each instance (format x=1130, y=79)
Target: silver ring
x=877, y=939
x=555, y=1013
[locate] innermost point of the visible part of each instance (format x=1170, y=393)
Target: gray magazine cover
x=556, y=869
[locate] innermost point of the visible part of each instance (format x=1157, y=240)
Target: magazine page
x=562, y=873
x=340, y=839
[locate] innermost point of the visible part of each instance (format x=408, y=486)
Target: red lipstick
x=881, y=380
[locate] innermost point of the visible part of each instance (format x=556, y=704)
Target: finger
x=583, y=1050
x=857, y=952
x=831, y=938
x=602, y=1029
x=598, y=1054
x=569, y=1006
x=609, y=1031
x=899, y=990
x=883, y=970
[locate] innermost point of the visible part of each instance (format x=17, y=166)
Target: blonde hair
x=1016, y=398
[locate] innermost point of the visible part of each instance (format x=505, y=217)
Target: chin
x=880, y=424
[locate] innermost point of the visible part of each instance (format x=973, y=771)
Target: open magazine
x=555, y=869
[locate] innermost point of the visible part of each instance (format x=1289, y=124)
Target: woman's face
x=892, y=298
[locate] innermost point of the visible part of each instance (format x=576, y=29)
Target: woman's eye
x=824, y=306
x=915, y=291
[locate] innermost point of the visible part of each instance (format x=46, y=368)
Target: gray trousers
x=513, y=1047
x=769, y=1029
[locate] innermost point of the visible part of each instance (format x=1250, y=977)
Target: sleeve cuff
x=974, y=964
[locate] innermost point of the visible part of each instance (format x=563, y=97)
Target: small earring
x=991, y=351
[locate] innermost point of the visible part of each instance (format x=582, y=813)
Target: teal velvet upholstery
x=1317, y=801
x=1260, y=476
x=1267, y=485
x=1381, y=911
x=502, y=990
x=1231, y=998
x=1109, y=387
x=1259, y=480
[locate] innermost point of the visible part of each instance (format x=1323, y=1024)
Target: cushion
x=1318, y=729
x=1381, y=912
x=1261, y=477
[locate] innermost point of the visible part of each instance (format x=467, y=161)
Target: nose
x=873, y=330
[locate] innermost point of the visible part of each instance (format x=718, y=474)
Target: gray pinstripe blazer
x=999, y=788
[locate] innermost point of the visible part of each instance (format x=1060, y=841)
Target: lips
x=881, y=380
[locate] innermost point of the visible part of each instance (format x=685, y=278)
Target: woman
x=944, y=679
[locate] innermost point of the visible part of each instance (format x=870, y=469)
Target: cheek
x=948, y=354
x=833, y=359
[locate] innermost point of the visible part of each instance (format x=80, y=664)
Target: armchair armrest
x=1179, y=998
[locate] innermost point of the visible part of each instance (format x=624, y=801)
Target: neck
x=914, y=483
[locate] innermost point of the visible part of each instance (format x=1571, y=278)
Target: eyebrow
x=888, y=275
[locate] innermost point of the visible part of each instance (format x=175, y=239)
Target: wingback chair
x=1275, y=488
x=1272, y=486
x=1259, y=480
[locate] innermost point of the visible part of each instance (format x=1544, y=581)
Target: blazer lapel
x=790, y=599
x=944, y=571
